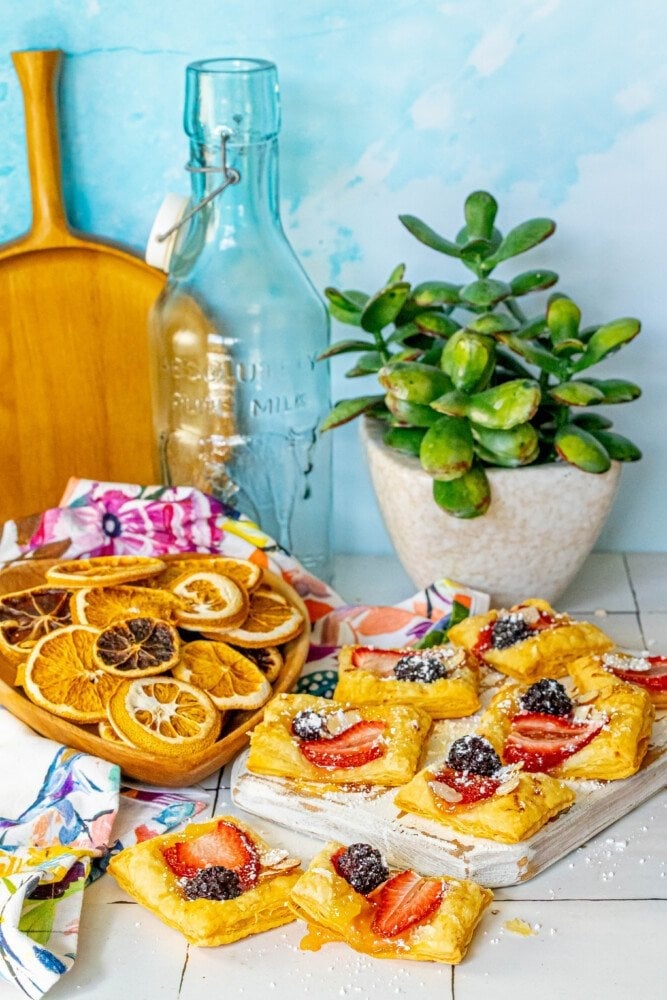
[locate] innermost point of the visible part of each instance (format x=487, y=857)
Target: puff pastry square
x=143, y=872
x=274, y=749
x=509, y=816
x=552, y=641
x=334, y=911
x=366, y=677
x=626, y=715
x=607, y=670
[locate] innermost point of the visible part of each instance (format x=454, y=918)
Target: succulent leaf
x=405, y=439
x=344, y=347
x=493, y=323
x=617, y=447
x=346, y=306
x=485, y=293
x=348, y=409
x=446, y=449
x=518, y=446
x=384, y=307
x=453, y=403
x=367, y=364
x=468, y=358
x=437, y=323
x=415, y=414
x=616, y=390
x=397, y=274
x=576, y=393
x=524, y=237
x=563, y=318
x=535, y=354
x=480, y=212
x=436, y=293
x=504, y=406
x=415, y=382
x=580, y=448
x=591, y=421
x=606, y=340
x=532, y=281
x=428, y=236
x=466, y=497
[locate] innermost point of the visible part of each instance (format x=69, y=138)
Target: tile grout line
x=183, y=970
x=637, y=612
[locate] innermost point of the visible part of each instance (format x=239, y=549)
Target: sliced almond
x=445, y=791
x=341, y=720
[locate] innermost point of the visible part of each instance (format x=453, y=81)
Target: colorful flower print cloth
x=57, y=805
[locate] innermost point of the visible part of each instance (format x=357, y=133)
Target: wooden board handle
x=38, y=73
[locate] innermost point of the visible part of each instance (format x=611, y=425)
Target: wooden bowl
x=140, y=764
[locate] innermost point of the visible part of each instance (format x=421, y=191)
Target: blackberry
x=507, y=631
x=309, y=725
x=215, y=882
x=426, y=666
x=475, y=754
x=547, y=696
x=362, y=866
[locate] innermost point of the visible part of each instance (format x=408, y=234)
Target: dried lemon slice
x=101, y=606
x=61, y=676
x=247, y=574
x=27, y=615
x=103, y=570
x=164, y=715
x=229, y=678
x=270, y=621
x=137, y=647
x=209, y=600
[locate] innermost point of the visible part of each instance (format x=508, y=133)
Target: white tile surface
x=648, y=571
x=602, y=583
x=654, y=631
x=582, y=951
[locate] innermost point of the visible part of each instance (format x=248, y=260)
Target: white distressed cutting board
x=433, y=848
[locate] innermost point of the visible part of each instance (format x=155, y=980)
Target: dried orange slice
x=137, y=647
x=27, y=615
x=164, y=715
x=271, y=621
x=101, y=606
x=248, y=574
x=107, y=732
x=103, y=570
x=229, y=678
x=61, y=676
x=209, y=600
x=269, y=659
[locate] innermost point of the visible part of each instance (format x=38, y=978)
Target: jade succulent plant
x=470, y=380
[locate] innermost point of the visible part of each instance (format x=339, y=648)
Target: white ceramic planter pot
x=542, y=523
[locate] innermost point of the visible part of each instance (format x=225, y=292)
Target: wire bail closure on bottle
x=230, y=174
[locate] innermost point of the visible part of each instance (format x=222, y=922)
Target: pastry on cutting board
x=323, y=743
x=472, y=792
x=599, y=733
x=528, y=641
x=442, y=680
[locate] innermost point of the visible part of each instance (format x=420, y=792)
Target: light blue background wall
x=557, y=106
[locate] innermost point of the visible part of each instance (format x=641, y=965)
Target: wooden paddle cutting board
x=74, y=383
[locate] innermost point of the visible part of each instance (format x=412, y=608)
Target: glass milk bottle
x=238, y=394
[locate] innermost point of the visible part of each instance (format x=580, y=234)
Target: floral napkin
x=62, y=812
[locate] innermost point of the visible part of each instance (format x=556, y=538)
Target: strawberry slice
x=471, y=787
x=405, y=900
x=225, y=845
x=355, y=746
x=655, y=678
x=543, y=741
x=380, y=662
